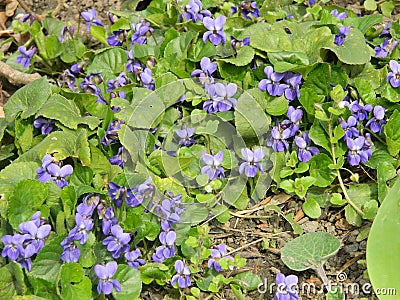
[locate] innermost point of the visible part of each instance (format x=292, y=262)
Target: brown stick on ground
x=16, y=77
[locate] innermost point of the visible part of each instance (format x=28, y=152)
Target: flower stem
x=342, y=186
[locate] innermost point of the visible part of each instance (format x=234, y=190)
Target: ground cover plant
x=158, y=122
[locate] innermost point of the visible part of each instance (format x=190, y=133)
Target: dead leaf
x=3, y=20
x=11, y=6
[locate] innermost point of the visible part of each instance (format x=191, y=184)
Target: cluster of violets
x=287, y=129
x=23, y=245
x=116, y=240
x=360, y=146
x=54, y=171
x=278, y=84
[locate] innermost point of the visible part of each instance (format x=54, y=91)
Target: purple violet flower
x=341, y=16
x=12, y=245
x=71, y=253
x=142, y=31
x=215, y=31
x=26, y=17
x=305, y=150
x=386, y=31
x=107, y=217
x=359, y=110
x=118, y=242
x=81, y=231
x=217, y=252
x=88, y=85
x=287, y=287
x=341, y=35
x=69, y=78
x=59, y=173
x=212, y=168
x=278, y=138
x=193, y=11
x=26, y=55
x=237, y=44
x=146, y=77
x=357, y=153
x=376, y=123
x=185, y=135
x=385, y=48
x=118, y=82
x=104, y=273
x=349, y=127
x=67, y=33
x=35, y=234
x=45, y=125
x=117, y=38
x=394, y=76
x=111, y=134
x=118, y=159
x=293, y=82
x=247, y=9
x=272, y=84
x=207, y=69
x=183, y=275
x=133, y=259
x=221, y=97
x=90, y=17
x=167, y=248
x=25, y=256
x=251, y=166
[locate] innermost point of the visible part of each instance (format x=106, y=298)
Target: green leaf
x=289, y=218
x=276, y=106
x=352, y=216
x=286, y=61
x=243, y=57
x=27, y=100
x=319, y=136
x=61, y=109
x=7, y=287
x=364, y=23
x=250, y=119
x=110, y=62
x=278, y=39
x=308, y=97
x=319, y=169
x=311, y=208
x=73, y=50
x=194, y=214
x=131, y=283
x=26, y=199
x=354, y=50
x=47, y=263
x=370, y=5
x=99, y=33
x=392, y=133
x=53, y=47
x=62, y=144
x=74, y=285
x=11, y=175
x=200, y=50
x=248, y=280
x=365, y=90
x=177, y=48
x=309, y=250
x=384, y=233
x=387, y=8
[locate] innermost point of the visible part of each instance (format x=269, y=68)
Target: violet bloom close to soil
x=287, y=287
x=26, y=55
x=218, y=252
x=221, y=97
x=183, y=275
x=90, y=17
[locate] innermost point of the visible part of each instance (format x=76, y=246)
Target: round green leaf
x=309, y=250
x=311, y=208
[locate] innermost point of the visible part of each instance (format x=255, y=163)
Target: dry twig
x=16, y=77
